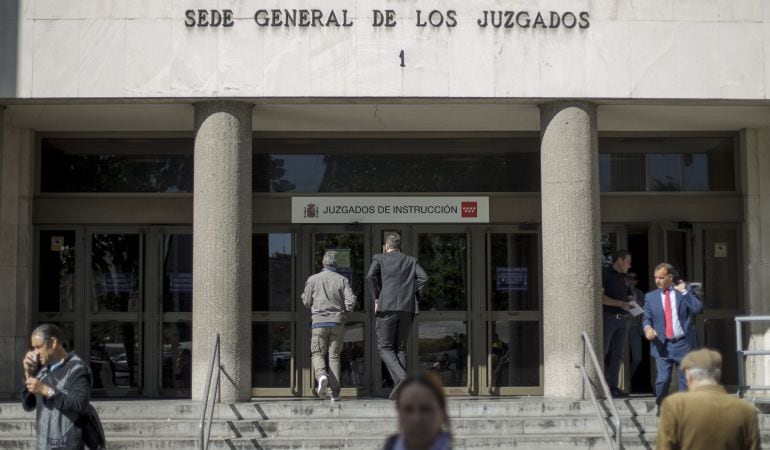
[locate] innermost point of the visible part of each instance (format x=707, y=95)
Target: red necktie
x=669, y=318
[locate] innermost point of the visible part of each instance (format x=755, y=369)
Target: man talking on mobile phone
x=669, y=325
x=57, y=385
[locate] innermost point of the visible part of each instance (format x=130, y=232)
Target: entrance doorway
x=479, y=325
x=124, y=297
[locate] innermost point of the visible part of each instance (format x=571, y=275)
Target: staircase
x=477, y=423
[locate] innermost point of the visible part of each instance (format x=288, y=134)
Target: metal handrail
x=588, y=348
x=742, y=354
x=204, y=427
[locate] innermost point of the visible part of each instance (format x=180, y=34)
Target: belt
x=676, y=339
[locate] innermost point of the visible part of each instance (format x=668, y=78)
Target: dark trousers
x=669, y=354
x=615, y=333
x=392, y=334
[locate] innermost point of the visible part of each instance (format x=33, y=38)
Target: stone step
x=530, y=442
x=533, y=442
x=353, y=408
x=350, y=428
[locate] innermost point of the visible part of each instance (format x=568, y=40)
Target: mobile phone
x=36, y=363
x=677, y=278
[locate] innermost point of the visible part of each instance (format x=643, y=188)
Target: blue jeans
x=615, y=332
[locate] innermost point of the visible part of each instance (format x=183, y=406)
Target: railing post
x=740, y=356
x=204, y=427
x=583, y=386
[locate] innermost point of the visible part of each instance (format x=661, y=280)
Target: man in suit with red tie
x=669, y=325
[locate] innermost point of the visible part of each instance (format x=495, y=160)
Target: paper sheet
x=635, y=310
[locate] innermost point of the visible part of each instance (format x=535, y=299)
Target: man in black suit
x=396, y=281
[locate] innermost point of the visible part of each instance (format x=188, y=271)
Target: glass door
x=440, y=334
x=113, y=310
x=172, y=314
x=514, y=352
x=275, y=301
x=104, y=287
x=353, y=252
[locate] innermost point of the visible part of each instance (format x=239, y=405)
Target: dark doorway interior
x=641, y=381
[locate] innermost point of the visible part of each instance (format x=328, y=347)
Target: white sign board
x=390, y=209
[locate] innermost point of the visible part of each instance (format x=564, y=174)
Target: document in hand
x=635, y=308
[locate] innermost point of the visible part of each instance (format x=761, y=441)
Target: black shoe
x=617, y=393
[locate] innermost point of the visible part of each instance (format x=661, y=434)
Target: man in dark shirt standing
x=396, y=281
x=616, y=317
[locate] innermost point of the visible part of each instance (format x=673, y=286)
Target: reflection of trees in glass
x=277, y=173
x=429, y=173
x=114, y=354
x=271, y=272
x=609, y=246
x=354, y=242
x=515, y=354
x=271, y=354
x=117, y=165
x=57, y=270
x=443, y=349
x=443, y=256
x=670, y=184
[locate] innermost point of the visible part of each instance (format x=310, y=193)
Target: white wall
x=688, y=49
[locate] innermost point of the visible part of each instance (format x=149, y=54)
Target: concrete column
x=571, y=245
x=16, y=175
x=222, y=246
x=755, y=186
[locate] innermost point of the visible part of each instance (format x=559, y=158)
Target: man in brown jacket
x=706, y=416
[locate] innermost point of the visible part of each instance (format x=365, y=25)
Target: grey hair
x=47, y=331
x=701, y=374
x=393, y=241
x=330, y=259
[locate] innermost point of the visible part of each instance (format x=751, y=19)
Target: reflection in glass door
x=352, y=263
x=114, y=307
x=176, y=304
x=442, y=326
x=514, y=338
x=273, y=359
x=58, y=289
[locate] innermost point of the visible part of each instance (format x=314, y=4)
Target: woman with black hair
x=423, y=420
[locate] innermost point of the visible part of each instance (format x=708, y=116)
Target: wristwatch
x=51, y=393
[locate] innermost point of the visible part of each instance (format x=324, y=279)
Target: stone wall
x=16, y=188
x=755, y=164
x=689, y=49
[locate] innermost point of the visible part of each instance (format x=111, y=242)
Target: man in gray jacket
x=396, y=281
x=329, y=297
x=58, y=385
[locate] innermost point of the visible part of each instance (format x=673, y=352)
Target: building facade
x=174, y=170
